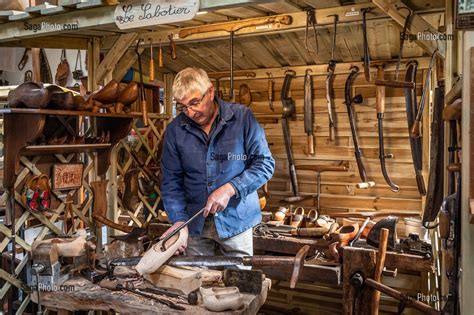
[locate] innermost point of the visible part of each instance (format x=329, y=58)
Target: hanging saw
x=329, y=81
x=143, y=103
x=311, y=21
x=416, y=144
x=397, y=83
x=380, y=105
x=349, y=101
x=415, y=128
x=308, y=110
x=366, y=44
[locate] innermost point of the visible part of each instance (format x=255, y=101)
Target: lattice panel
x=146, y=147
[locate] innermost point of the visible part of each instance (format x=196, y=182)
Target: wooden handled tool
x=172, y=47
x=379, y=265
x=323, y=168
x=160, y=57
x=453, y=111
x=152, y=62
x=235, y=26
x=308, y=110
x=143, y=103
x=270, y=91
x=169, y=236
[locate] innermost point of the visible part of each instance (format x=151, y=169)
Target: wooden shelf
x=75, y=113
x=65, y=148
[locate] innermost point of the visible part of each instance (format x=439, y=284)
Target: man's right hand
x=184, y=230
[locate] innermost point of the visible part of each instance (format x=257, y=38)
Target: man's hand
x=184, y=230
x=218, y=199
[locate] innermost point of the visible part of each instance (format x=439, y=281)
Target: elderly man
x=215, y=155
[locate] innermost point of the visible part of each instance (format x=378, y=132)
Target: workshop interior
x=364, y=106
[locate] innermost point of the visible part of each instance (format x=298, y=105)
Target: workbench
x=88, y=296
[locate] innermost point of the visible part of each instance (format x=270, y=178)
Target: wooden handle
x=270, y=90
x=444, y=224
x=380, y=93
x=160, y=57
x=439, y=68
x=322, y=168
x=415, y=129
x=310, y=232
x=172, y=47
x=237, y=73
x=152, y=64
x=144, y=107
x=454, y=167
x=453, y=111
x=332, y=133
x=116, y=226
x=310, y=144
x=395, y=84
x=383, y=241
x=235, y=26
x=365, y=185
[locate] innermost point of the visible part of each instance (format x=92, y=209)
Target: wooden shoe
x=311, y=218
x=31, y=194
x=59, y=99
x=297, y=218
x=128, y=95
x=130, y=195
x=219, y=299
x=45, y=193
x=280, y=214
x=108, y=94
x=346, y=233
x=29, y=94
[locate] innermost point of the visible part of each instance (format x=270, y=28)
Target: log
x=176, y=279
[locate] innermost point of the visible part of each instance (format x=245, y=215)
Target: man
x=215, y=155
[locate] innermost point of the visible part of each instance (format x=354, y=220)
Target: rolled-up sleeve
x=172, y=179
x=261, y=163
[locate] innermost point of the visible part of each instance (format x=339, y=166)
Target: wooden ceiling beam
x=419, y=26
x=113, y=56
x=125, y=63
x=58, y=42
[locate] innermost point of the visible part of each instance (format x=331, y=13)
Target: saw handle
x=380, y=92
x=310, y=144
x=172, y=47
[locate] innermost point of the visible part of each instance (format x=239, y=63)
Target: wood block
x=177, y=279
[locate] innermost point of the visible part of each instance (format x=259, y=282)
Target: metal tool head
x=389, y=223
x=358, y=99
x=298, y=266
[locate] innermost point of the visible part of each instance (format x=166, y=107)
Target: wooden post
x=378, y=270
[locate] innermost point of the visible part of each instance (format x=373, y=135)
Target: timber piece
x=357, y=260
x=375, y=214
x=235, y=26
x=417, y=25
x=176, y=279
x=87, y=296
x=379, y=265
x=454, y=93
x=113, y=56
x=331, y=275
x=322, y=168
x=226, y=74
x=453, y=110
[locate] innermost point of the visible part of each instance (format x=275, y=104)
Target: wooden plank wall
x=339, y=190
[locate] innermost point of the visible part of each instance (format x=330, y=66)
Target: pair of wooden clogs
x=36, y=194
x=219, y=299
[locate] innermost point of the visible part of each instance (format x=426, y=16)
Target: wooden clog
x=30, y=95
x=108, y=94
x=345, y=233
x=59, y=99
x=297, y=218
x=312, y=218
x=220, y=299
x=280, y=214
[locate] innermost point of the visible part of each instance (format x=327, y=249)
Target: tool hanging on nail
x=270, y=90
x=311, y=21
x=152, y=62
x=415, y=128
x=308, y=110
x=349, y=101
x=143, y=103
x=366, y=44
x=173, y=54
x=380, y=106
x=397, y=83
x=329, y=82
x=160, y=56
x=416, y=144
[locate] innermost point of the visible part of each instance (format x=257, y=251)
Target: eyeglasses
x=192, y=105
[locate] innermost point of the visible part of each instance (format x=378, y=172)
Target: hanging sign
x=134, y=14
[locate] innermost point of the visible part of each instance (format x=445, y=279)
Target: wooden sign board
x=134, y=14
x=67, y=176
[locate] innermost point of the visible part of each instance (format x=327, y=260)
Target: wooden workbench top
x=89, y=296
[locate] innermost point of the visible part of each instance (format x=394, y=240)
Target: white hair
x=189, y=80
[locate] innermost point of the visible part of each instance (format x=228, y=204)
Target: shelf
x=64, y=148
x=76, y=113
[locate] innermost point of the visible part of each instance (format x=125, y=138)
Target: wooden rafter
x=419, y=26
x=115, y=53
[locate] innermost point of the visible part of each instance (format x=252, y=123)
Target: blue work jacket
x=193, y=167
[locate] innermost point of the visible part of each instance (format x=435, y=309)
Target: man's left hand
x=218, y=199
